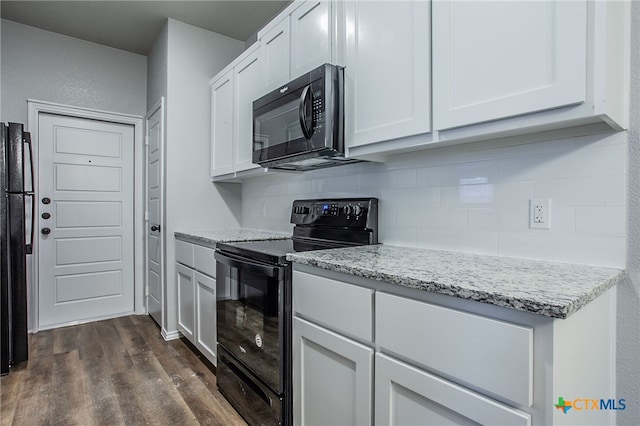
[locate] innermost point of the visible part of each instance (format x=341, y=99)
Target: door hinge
x=146, y=292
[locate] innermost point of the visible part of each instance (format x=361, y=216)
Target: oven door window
x=249, y=314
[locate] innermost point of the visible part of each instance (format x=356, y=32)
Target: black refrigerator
x=16, y=240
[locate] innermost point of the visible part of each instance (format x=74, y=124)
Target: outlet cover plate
x=540, y=213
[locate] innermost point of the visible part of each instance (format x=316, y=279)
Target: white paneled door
x=86, y=220
x=155, y=188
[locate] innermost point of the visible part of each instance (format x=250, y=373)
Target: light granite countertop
x=552, y=289
x=212, y=237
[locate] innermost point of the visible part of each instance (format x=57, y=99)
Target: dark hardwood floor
x=113, y=372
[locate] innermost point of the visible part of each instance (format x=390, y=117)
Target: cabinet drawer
x=444, y=340
x=341, y=307
x=408, y=395
x=204, y=261
x=184, y=253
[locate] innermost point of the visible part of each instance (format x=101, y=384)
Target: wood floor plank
x=69, y=384
x=209, y=408
x=112, y=346
x=105, y=409
x=34, y=399
x=65, y=339
x=89, y=341
x=131, y=338
x=155, y=397
x=113, y=372
x=41, y=344
x=10, y=389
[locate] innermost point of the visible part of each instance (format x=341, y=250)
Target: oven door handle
x=244, y=264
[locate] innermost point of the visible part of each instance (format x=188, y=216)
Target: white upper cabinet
x=422, y=74
x=313, y=34
x=493, y=60
x=276, y=55
x=232, y=94
x=304, y=36
x=222, y=124
x=247, y=88
x=387, y=74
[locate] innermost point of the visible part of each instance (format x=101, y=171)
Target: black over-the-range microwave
x=300, y=126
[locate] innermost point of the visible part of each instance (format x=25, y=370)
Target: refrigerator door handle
x=27, y=141
x=33, y=220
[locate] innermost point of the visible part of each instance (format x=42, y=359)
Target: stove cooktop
x=320, y=224
x=275, y=251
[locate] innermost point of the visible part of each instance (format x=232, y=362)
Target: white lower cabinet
x=369, y=352
x=185, y=278
x=332, y=377
x=206, y=337
x=196, y=283
x=406, y=395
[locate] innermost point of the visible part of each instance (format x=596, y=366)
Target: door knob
x=45, y=231
x=46, y=200
x=155, y=228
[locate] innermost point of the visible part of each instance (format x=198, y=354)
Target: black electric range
x=254, y=303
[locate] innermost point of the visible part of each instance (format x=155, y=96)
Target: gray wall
x=46, y=66
x=628, y=377
x=157, y=68
x=181, y=64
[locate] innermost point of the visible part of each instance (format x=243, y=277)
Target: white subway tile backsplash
x=484, y=219
x=428, y=176
x=513, y=218
x=485, y=242
x=471, y=173
x=403, y=178
x=583, y=191
x=512, y=194
x=398, y=236
x=468, y=195
x=602, y=220
x=563, y=219
x=602, y=161
x=571, y=248
x=475, y=197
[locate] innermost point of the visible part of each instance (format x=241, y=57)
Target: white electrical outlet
x=540, y=213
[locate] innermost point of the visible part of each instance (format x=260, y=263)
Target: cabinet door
x=406, y=395
x=276, y=55
x=185, y=279
x=222, y=125
x=332, y=378
x=387, y=74
x=311, y=33
x=496, y=59
x=206, y=337
x=247, y=87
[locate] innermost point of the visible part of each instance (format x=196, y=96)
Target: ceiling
x=134, y=25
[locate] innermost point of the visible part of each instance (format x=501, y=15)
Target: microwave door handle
x=247, y=265
x=302, y=107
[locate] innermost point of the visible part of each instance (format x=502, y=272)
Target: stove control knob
x=347, y=210
x=357, y=210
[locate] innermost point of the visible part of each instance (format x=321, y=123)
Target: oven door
x=251, y=315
